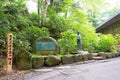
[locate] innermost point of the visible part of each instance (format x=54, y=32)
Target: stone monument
x=46, y=45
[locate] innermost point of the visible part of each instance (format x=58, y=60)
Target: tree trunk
x=44, y=11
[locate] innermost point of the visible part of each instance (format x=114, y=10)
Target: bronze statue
x=79, y=45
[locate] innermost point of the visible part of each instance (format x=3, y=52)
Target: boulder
x=23, y=60
x=103, y=55
x=77, y=57
x=116, y=54
x=90, y=56
x=67, y=59
x=109, y=55
x=85, y=56
x=52, y=60
x=37, y=62
x=113, y=54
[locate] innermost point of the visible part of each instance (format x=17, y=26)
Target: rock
x=103, y=55
x=23, y=60
x=113, y=54
x=95, y=54
x=77, y=57
x=37, y=62
x=98, y=58
x=90, y=56
x=52, y=60
x=67, y=59
x=109, y=55
x=80, y=52
x=85, y=56
x=46, y=46
x=116, y=54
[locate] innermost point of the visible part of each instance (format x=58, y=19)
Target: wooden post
x=9, y=53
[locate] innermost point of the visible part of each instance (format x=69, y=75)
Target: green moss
x=103, y=55
x=23, y=60
x=85, y=56
x=37, y=62
x=67, y=59
x=77, y=57
x=109, y=55
x=52, y=60
x=90, y=56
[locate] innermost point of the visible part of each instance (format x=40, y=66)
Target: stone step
x=98, y=58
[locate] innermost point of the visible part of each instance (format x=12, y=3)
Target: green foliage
x=60, y=17
x=67, y=42
x=2, y=48
x=117, y=38
x=57, y=24
x=106, y=43
x=79, y=22
x=34, y=18
x=34, y=33
x=26, y=38
x=13, y=17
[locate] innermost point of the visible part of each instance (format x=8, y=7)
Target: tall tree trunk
x=46, y=3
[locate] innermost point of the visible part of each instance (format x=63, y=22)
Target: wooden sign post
x=9, y=52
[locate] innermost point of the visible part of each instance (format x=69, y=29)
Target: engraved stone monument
x=46, y=45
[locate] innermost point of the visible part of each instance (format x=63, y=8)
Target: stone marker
x=9, y=53
x=46, y=45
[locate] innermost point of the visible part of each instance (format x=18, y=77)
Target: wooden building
x=112, y=25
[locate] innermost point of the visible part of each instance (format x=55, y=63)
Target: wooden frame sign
x=9, y=52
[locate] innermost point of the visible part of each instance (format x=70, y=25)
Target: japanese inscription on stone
x=45, y=46
x=9, y=52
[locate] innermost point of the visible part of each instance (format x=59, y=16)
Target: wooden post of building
x=9, y=53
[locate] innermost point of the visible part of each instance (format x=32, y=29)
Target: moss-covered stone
x=23, y=61
x=109, y=55
x=77, y=57
x=103, y=55
x=117, y=54
x=37, y=62
x=49, y=42
x=113, y=55
x=52, y=60
x=90, y=56
x=67, y=59
x=85, y=56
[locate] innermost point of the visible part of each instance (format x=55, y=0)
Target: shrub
x=26, y=38
x=32, y=33
x=67, y=42
x=117, y=38
x=106, y=43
